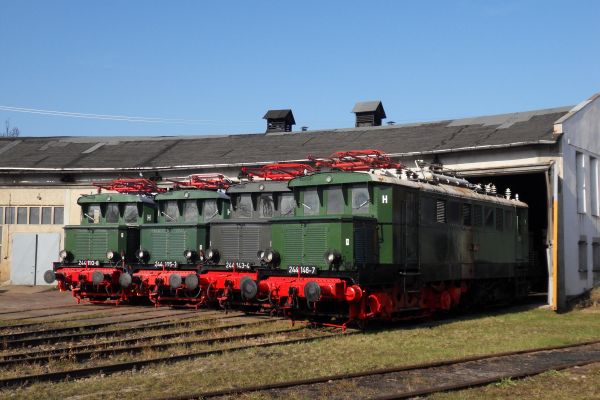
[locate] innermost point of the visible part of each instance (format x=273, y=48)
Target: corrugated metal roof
x=85, y=153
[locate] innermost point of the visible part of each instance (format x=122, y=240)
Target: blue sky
x=224, y=63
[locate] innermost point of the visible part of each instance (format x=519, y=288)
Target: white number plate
x=88, y=263
x=237, y=265
x=304, y=270
x=166, y=264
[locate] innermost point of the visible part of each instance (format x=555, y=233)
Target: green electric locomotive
x=99, y=251
x=384, y=245
x=166, y=270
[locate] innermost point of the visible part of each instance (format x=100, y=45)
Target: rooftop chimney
x=369, y=113
x=279, y=121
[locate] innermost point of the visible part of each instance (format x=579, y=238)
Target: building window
x=583, y=259
x=1, y=215
x=59, y=215
x=580, y=182
x=34, y=215
x=596, y=255
x=21, y=215
x=9, y=215
x=46, y=215
x=594, y=186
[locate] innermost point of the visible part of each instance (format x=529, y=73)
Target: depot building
x=548, y=158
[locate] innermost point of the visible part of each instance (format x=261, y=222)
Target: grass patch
x=398, y=345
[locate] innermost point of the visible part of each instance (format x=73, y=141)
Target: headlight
x=212, y=255
x=65, y=255
x=142, y=255
x=260, y=254
x=112, y=255
x=271, y=257
x=190, y=255
x=332, y=256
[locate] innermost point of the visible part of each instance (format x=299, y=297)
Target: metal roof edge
x=558, y=128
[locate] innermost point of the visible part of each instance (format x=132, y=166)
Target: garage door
x=32, y=255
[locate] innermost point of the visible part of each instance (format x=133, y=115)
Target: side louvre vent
x=440, y=211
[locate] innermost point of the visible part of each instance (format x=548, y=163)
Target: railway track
x=108, y=346
x=51, y=337
x=111, y=320
x=79, y=317
x=136, y=364
x=426, y=378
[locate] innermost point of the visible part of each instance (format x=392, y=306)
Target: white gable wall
x=581, y=134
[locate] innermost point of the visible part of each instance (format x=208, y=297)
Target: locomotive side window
x=265, y=206
x=335, y=200
x=243, y=206
x=171, y=211
x=112, y=213
x=499, y=221
x=489, y=217
x=210, y=210
x=190, y=211
x=93, y=214
x=287, y=204
x=466, y=214
x=130, y=214
x=453, y=216
x=477, y=216
x=360, y=200
x=311, y=202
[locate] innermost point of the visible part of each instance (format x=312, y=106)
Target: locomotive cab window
x=210, y=210
x=265, y=206
x=310, y=202
x=170, y=211
x=112, y=213
x=287, y=204
x=92, y=214
x=242, y=207
x=190, y=211
x=335, y=200
x=360, y=200
x=131, y=213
